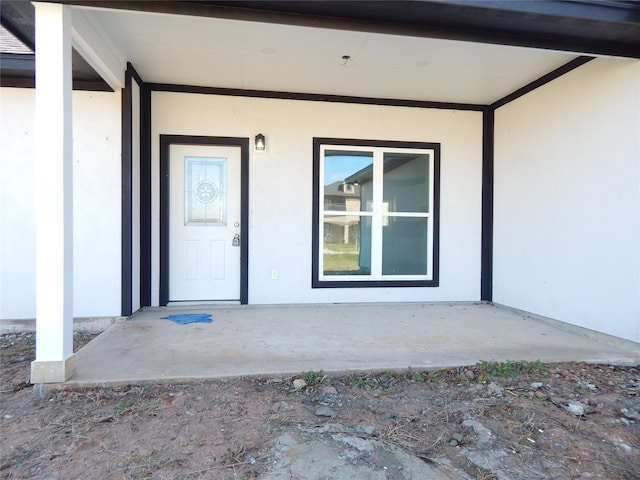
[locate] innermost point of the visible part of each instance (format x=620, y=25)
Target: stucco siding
x=96, y=183
x=17, y=205
x=567, y=199
x=280, y=190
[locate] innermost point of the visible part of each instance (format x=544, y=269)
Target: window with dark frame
x=376, y=213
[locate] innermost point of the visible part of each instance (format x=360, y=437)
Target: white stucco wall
x=17, y=205
x=280, y=193
x=97, y=192
x=567, y=199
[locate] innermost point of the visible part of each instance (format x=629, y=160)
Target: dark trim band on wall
x=558, y=72
x=134, y=74
x=165, y=144
x=486, y=259
x=145, y=196
x=126, y=199
x=127, y=193
x=314, y=97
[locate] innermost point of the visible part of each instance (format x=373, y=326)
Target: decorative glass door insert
x=205, y=191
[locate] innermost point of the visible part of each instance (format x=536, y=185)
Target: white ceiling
x=226, y=53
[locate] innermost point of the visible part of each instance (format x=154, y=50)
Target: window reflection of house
x=341, y=197
x=405, y=186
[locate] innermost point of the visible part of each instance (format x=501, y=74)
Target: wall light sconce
x=261, y=143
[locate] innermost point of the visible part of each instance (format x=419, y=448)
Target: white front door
x=204, y=220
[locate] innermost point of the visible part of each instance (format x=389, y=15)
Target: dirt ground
x=511, y=420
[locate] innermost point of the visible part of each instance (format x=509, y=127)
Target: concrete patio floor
x=282, y=340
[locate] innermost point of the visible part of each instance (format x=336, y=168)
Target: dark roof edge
x=30, y=82
x=331, y=16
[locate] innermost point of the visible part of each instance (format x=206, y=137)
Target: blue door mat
x=185, y=318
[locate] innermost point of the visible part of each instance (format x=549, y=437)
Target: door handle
x=236, y=240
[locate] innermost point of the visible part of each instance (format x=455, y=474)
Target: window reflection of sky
x=337, y=168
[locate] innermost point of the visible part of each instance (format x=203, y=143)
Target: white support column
x=55, y=361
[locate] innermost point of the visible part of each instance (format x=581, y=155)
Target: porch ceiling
x=228, y=53
x=473, y=52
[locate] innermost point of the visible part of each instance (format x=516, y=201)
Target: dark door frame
x=165, y=143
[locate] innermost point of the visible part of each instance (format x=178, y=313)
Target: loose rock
x=577, y=408
x=325, y=411
x=495, y=389
x=632, y=414
x=366, y=429
x=482, y=432
x=329, y=390
x=299, y=384
x=456, y=439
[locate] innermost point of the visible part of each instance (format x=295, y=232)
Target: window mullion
x=376, y=221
